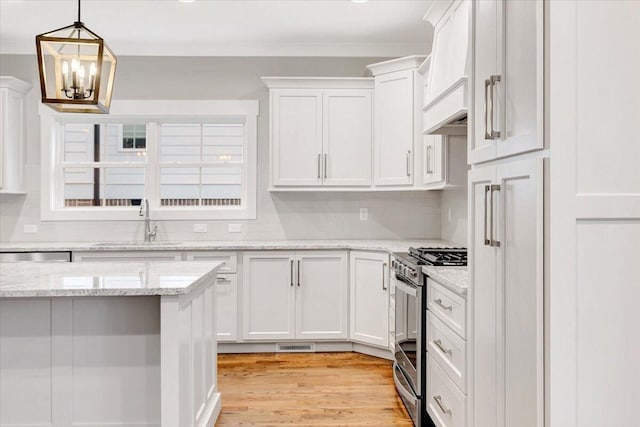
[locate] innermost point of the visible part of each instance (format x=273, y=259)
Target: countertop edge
x=449, y=277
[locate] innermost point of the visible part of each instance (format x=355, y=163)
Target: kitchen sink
x=142, y=244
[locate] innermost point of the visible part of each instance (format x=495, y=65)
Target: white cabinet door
x=506, y=290
x=519, y=292
x=394, y=129
x=347, y=137
x=508, y=79
x=227, y=307
x=296, y=126
x=370, y=298
x=12, y=134
x=268, y=295
x=322, y=295
x=433, y=159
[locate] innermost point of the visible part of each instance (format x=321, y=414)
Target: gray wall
x=280, y=215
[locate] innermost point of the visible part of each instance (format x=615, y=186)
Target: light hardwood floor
x=308, y=389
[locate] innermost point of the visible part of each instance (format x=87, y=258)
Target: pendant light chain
x=79, y=11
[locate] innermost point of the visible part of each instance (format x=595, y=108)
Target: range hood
x=447, y=95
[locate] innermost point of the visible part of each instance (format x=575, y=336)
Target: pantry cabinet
x=508, y=79
x=321, y=132
x=12, y=134
x=506, y=291
x=295, y=295
x=369, y=298
x=397, y=121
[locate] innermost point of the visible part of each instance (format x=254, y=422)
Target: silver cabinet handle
x=409, y=163
x=384, y=288
x=438, y=343
x=446, y=307
x=487, y=189
x=298, y=273
x=444, y=410
x=487, y=84
x=494, y=243
x=319, y=165
x=492, y=79
x=222, y=279
x=291, y=272
x=429, y=159
x=325, y=166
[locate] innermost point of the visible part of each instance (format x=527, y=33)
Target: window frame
x=151, y=112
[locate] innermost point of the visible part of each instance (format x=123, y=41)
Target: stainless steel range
x=409, y=369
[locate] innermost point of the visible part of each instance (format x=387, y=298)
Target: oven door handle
x=407, y=289
x=404, y=392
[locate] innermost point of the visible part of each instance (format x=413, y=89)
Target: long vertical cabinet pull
x=409, y=163
x=384, y=266
x=487, y=85
x=429, y=159
x=325, y=166
x=291, y=272
x=298, y=273
x=494, y=242
x=493, y=79
x=319, y=166
x=487, y=189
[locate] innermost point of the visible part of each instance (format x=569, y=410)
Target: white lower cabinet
x=295, y=295
x=370, y=298
x=445, y=402
x=506, y=292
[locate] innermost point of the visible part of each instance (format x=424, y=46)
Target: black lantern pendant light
x=77, y=69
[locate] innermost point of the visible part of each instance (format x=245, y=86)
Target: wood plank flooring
x=308, y=389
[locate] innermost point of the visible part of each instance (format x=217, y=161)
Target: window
x=200, y=164
x=134, y=137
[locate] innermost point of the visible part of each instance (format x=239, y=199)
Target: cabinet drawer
x=445, y=402
x=230, y=259
x=448, y=348
x=447, y=306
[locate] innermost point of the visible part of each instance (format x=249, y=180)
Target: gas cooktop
x=435, y=256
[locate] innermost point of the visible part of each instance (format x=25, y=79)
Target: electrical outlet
x=199, y=228
x=30, y=228
x=235, y=228
x=364, y=214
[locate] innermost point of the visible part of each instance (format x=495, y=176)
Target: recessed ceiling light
x=186, y=1
x=359, y=1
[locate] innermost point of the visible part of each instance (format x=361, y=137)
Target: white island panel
x=146, y=357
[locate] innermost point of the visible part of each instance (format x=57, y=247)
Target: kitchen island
x=118, y=344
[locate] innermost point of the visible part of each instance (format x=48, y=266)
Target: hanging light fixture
x=77, y=69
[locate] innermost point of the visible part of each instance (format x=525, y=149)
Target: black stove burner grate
x=440, y=256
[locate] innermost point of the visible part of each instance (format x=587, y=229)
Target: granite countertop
x=62, y=279
x=365, y=245
x=455, y=279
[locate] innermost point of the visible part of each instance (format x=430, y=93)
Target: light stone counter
x=229, y=245
x=55, y=279
x=455, y=279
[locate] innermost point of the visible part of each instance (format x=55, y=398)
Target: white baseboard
x=272, y=347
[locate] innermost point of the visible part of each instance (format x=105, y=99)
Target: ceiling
x=228, y=27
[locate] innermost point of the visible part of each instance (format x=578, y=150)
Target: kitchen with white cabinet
x=382, y=212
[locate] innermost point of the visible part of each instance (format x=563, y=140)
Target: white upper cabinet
x=508, y=79
x=12, y=134
x=347, y=137
x=297, y=137
x=447, y=98
x=397, y=121
x=321, y=132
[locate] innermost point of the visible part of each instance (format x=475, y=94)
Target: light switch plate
x=200, y=228
x=364, y=214
x=235, y=228
x=30, y=228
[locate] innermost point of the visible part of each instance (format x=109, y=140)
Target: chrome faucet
x=149, y=235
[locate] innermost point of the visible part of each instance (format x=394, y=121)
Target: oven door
x=409, y=343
